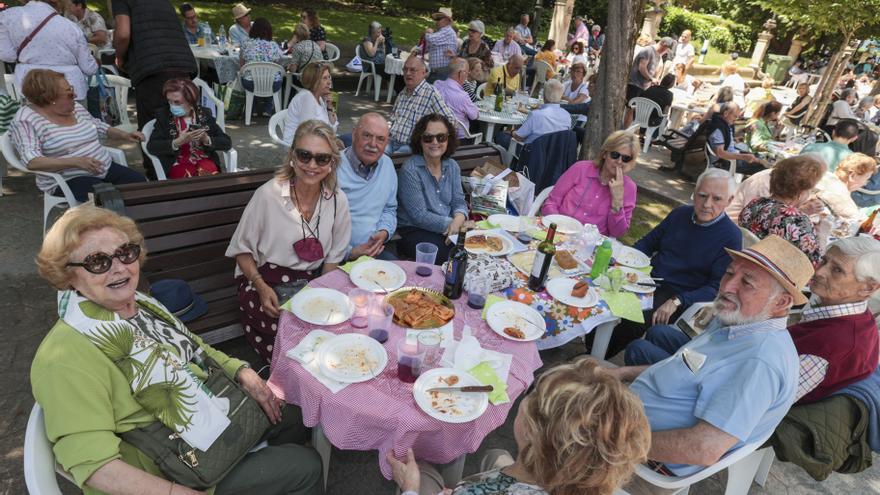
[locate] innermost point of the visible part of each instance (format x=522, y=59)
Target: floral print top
x=495, y=483
x=257, y=50
x=765, y=216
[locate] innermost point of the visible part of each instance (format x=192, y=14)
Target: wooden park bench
x=187, y=225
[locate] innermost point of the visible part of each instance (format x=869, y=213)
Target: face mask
x=177, y=110
x=309, y=249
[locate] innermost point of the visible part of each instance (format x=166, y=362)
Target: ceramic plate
x=505, y=245
x=564, y=224
x=509, y=223
x=560, y=289
x=351, y=358
x=320, y=306
x=631, y=257
x=431, y=319
x=511, y=314
x=449, y=407
x=378, y=276
x=632, y=277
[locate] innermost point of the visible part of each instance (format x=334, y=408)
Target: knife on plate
x=471, y=388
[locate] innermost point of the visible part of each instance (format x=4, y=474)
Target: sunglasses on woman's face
x=440, y=138
x=305, y=157
x=618, y=156
x=99, y=263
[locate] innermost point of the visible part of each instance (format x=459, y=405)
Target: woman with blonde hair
x=578, y=431
x=295, y=227
x=312, y=104
x=732, y=79
x=598, y=191
x=477, y=73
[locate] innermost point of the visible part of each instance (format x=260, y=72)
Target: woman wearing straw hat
x=240, y=31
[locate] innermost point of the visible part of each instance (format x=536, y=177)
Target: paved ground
x=27, y=308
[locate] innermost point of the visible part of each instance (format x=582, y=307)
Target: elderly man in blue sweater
x=687, y=250
x=369, y=180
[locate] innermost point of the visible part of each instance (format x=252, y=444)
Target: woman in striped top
x=53, y=133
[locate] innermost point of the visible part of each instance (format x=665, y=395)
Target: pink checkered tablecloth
x=381, y=414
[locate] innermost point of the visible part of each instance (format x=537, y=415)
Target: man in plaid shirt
x=416, y=100
x=442, y=44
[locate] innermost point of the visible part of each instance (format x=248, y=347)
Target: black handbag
x=197, y=469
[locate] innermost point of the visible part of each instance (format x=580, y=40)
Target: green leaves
x=116, y=341
x=169, y=402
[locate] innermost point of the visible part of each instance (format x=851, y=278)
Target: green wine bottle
x=543, y=258
x=456, y=267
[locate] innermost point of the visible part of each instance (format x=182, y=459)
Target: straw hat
x=240, y=11
x=783, y=261
x=441, y=13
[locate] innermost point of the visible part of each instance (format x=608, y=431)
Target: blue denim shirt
x=425, y=202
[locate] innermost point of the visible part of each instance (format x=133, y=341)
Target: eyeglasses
x=305, y=157
x=98, y=263
x=618, y=156
x=440, y=138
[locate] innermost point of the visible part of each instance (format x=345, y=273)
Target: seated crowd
x=748, y=253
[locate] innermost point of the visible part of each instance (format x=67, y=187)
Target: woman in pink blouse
x=599, y=192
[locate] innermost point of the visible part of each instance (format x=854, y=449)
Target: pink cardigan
x=579, y=194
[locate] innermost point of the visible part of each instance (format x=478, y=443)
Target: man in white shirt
x=684, y=51
x=90, y=22
x=842, y=108
x=545, y=120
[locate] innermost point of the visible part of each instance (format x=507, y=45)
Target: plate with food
x=564, y=224
x=509, y=223
x=321, y=306
x=632, y=278
x=419, y=308
x=631, y=257
x=516, y=321
x=485, y=242
x=449, y=406
x=351, y=358
x=378, y=276
x=573, y=292
x=523, y=262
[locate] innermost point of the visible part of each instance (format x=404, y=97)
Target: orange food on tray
x=418, y=310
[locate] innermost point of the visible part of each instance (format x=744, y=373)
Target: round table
x=227, y=64
x=381, y=413
x=490, y=117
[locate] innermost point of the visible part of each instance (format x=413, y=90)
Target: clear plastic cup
x=479, y=289
x=526, y=225
x=429, y=341
x=380, y=321
x=426, y=255
x=410, y=360
x=360, y=302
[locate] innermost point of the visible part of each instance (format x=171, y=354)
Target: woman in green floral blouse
x=117, y=359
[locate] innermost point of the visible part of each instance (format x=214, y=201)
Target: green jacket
x=825, y=436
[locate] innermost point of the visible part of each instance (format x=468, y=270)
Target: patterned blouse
x=495, y=483
x=317, y=33
x=765, y=216
x=257, y=50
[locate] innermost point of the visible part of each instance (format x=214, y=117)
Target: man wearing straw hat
x=442, y=44
x=735, y=382
x=240, y=31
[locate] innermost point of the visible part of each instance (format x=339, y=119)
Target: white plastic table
x=490, y=117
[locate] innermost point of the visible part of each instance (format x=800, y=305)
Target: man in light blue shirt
x=549, y=118
x=370, y=182
x=734, y=383
x=240, y=31
x=192, y=28
x=832, y=152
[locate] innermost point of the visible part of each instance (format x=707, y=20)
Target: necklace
x=305, y=211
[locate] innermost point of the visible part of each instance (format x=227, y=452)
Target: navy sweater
x=690, y=257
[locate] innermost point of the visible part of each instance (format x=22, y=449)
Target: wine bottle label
x=451, y=271
x=539, y=263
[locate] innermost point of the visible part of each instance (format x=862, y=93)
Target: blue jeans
x=397, y=147
x=660, y=342
x=116, y=174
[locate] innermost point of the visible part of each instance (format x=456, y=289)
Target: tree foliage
x=818, y=17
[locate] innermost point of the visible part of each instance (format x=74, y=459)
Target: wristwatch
x=676, y=301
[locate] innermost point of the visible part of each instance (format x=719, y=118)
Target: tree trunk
x=875, y=90
x=110, y=21
x=608, y=104
x=828, y=83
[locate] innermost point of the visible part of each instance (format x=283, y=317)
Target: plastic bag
x=101, y=101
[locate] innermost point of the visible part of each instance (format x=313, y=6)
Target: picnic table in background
x=509, y=115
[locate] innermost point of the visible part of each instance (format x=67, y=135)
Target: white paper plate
x=564, y=224
x=642, y=277
x=320, y=306
x=351, y=358
x=389, y=276
x=451, y=407
x=560, y=289
x=507, y=246
x=509, y=223
x=631, y=257
x=516, y=314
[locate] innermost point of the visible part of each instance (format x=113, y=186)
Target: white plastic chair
x=67, y=200
x=371, y=76
x=288, y=85
x=749, y=238
x=481, y=91
x=477, y=136
x=39, y=460
x=208, y=92
x=229, y=158
x=121, y=85
x=644, y=108
x=276, y=127
x=710, y=154
x=263, y=74
x=633, y=128
x=541, y=69
x=539, y=200
x=332, y=52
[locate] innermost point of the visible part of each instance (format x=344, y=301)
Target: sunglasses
x=305, y=157
x=440, y=138
x=98, y=263
x=618, y=156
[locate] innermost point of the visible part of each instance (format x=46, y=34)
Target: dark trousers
x=410, y=236
x=116, y=174
x=626, y=331
x=660, y=342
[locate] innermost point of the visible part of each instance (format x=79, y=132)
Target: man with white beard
x=736, y=381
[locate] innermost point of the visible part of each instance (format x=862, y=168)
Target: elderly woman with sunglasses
x=577, y=432
x=599, y=192
x=53, y=133
x=295, y=227
x=430, y=199
x=117, y=360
